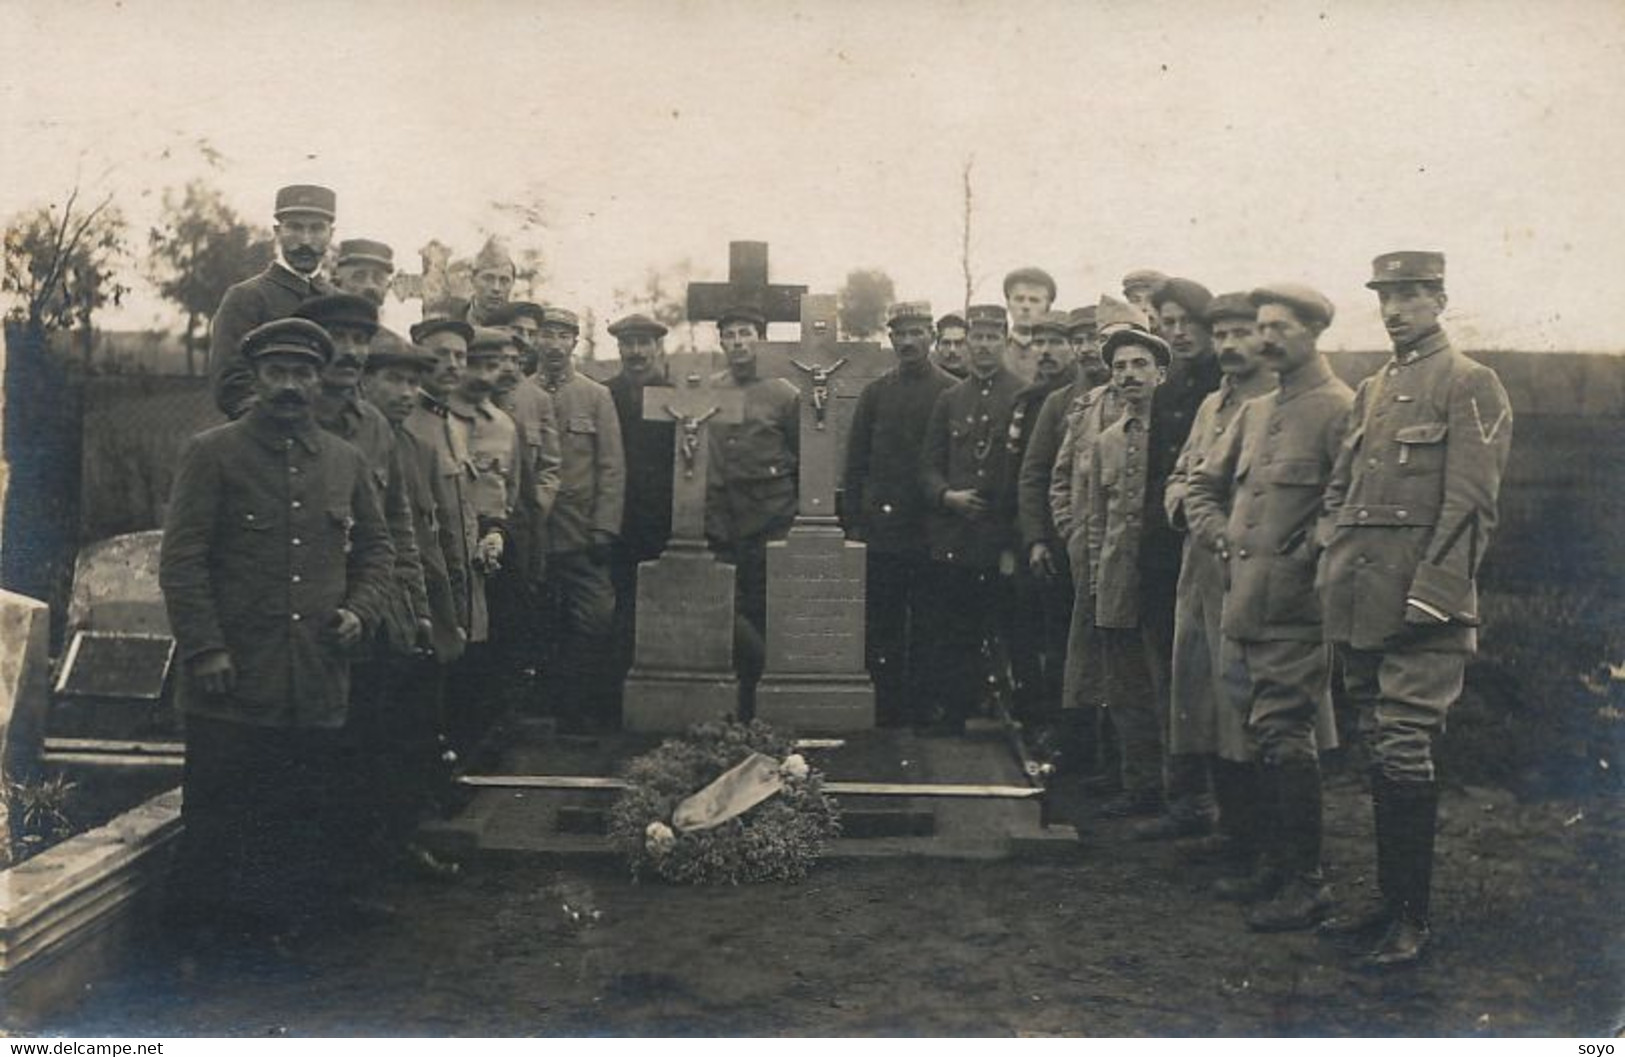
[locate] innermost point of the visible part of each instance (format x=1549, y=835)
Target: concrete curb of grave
x=72, y=913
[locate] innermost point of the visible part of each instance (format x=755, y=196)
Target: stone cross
x=692, y=406
x=830, y=374
x=747, y=285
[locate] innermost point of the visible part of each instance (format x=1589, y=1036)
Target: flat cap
x=493, y=255
x=1237, y=305
x=1080, y=319
x=340, y=310
x=1188, y=294
x=952, y=319
x=430, y=327
x=1055, y=323
x=553, y=316
x=1407, y=266
x=1036, y=276
x=401, y=354
x=635, y=324
x=1142, y=279
x=1126, y=336
x=1112, y=313
x=1309, y=304
x=906, y=310
x=366, y=250
x=488, y=343
x=987, y=314
x=306, y=198
x=747, y=313
x=295, y=337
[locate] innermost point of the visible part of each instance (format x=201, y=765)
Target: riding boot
x=1414, y=815
x=1367, y=922
x=1304, y=899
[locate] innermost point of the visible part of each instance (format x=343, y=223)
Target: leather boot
x=1413, y=818
x=1234, y=841
x=1365, y=923
x=1262, y=825
x=1304, y=899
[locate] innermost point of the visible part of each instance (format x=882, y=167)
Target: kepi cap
x=366, y=250
x=637, y=323
x=1306, y=302
x=1054, y=323
x=340, y=310
x=1080, y=319
x=906, y=310
x=1407, y=266
x=291, y=336
x=553, y=316
x=993, y=315
x=306, y=198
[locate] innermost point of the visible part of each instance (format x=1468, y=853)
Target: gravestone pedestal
x=25, y=692
x=682, y=669
x=815, y=678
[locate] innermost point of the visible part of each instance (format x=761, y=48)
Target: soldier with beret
x=304, y=228
x=275, y=564
x=751, y=494
x=1127, y=600
x=883, y=507
x=965, y=468
x=364, y=267
x=1028, y=294
x=1411, y=507
x=949, y=351
x=582, y=529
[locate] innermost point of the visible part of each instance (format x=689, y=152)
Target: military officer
x=1269, y=471
x=884, y=508
x=1411, y=507
x=751, y=493
x=304, y=228
x=582, y=530
x=275, y=563
x=364, y=267
x=971, y=523
x=949, y=353
x=1028, y=294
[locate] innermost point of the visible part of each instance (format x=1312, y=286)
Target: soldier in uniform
x=275, y=563
x=1411, y=506
x=304, y=228
x=1029, y=293
x=1138, y=286
x=1086, y=347
x=883, y=507
x=364, y=267
x=494, y=275
x=1256, y=502
x=582, y=530
x=446, y=340
x=971, y=526
x=493, y=452
x=524, y=321
x=949, y=353
x=1210, y=693
x=648, y=447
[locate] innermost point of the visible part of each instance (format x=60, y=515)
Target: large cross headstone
x=815, y=677
x=682, y=667
x=747, y=285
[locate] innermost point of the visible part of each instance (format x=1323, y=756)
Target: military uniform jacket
x=882, y=501
x=592, y=474
x=444, y=558
x=267, y=534
x=751, y=485
x=1412, y=501
x=649, y=448
x=1086, y=417
x=493, y=449
x=1270, y=471
x=531, y=409
x=1041, y=432
x=1118, y=478
x=431, y=424
x=1218, y=410
x=272, y=294
x=965, y=447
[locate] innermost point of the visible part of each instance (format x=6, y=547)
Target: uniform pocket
x=1421, y=447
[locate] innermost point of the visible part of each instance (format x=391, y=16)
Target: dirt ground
x=1119, y=939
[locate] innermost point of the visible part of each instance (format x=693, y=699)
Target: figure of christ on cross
x=693, y=406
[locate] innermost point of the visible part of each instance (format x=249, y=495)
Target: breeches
x=1401, y=697
x=586, y=596
x=1290, y=681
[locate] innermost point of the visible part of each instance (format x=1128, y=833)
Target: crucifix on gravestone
x=747, y=285
x=692, y=407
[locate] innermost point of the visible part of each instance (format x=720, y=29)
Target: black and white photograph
x=715, y=519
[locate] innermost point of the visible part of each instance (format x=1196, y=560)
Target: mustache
x=1231, y=358
x=289, y=400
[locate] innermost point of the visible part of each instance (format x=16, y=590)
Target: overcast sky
x=1232, y=142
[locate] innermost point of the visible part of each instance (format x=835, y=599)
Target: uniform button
x=297, y=542
x=1402, y=514
x=296, y=504
x=885, y=508
x=1371, y=463
x=293, y=469
x=297, y=618
x=1243, y=553
x=1363, y=514
x=296, y=578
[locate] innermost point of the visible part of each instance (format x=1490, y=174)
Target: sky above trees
x=1233, y=142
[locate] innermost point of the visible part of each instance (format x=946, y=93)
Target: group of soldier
x=1157, y=525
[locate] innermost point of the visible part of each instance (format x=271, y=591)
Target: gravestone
x=25, y=688
x=682, y=665
x=747, y=285
x=815, y=678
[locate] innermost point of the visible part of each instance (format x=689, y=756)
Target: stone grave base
x=900, y=794
x=819, y=703
x=656, y=702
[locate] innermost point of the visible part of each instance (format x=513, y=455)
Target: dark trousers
x=749, y=559
x=965, y=607
x=1037, y=624
x=264, y=825
x=392, y=775
x=898, y=597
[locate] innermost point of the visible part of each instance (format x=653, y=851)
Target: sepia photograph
x=718, y=519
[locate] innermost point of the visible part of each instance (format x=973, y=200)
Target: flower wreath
x=777, y=838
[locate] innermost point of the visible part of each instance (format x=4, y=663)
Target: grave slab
x=25, y=692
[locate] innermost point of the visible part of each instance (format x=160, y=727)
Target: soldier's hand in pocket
x=214, y=672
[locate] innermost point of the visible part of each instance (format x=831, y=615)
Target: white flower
x=794, y=766
x=659, y=838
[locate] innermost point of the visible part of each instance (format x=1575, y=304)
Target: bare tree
x=964, y=246
x=59, y=263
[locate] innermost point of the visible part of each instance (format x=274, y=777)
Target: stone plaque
x=682, y=670
x=816, y=609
